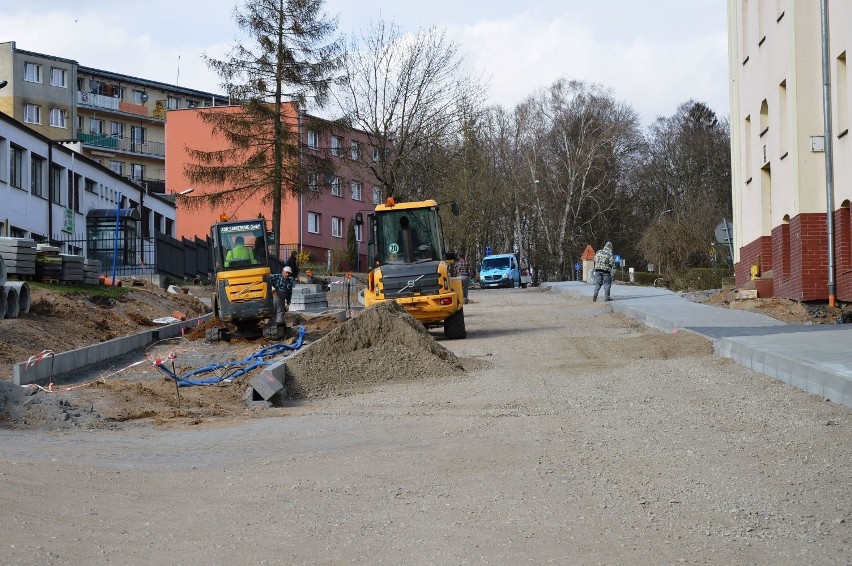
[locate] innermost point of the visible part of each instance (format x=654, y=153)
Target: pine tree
x=280, y=68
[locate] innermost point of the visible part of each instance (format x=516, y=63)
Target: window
x=336, y=145
x=173, y=103
x=375, y=154
x=137, y=138
x=91, y=185
x=137, y=172
x=32, y=114
x=313, y=223
x=358, y=232
x=73, y=194
x=96, y=126
x=58, y=77
x=336, y=227
x=32, y=72
x=140, y=97
x=116, y=129
x=313, y=181
x=57, y=117
x=16, y=163
x=355, y=186
x=117, y=167
x=377, y=195
x=313, y=139
x=355, y=150
x=79, y=123
x=335, y=186
x=55, y=182
x=37, y=175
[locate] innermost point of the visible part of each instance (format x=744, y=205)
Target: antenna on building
x=177, y=80
x=93, y=85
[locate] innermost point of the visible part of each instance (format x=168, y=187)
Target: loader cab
x=239, y=245
x=404, y=234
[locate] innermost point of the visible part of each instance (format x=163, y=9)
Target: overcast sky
x=652, y=54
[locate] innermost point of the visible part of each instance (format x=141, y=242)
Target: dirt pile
x=381, y=344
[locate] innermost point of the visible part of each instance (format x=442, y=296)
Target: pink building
x=319, y=220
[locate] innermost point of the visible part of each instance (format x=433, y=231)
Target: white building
x=777, y=139
x=52, y=194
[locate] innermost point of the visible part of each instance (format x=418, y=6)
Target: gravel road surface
x=578, y=437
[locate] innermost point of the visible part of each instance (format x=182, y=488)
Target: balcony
x=112, y=103
x=125, y=144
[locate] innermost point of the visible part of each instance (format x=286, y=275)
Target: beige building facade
x=119, y=119
x=778, y=146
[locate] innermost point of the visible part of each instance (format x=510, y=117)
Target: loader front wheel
x=454, y=326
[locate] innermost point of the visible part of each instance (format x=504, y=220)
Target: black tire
x=215, y=305
x=523, y=285
x=454, y=326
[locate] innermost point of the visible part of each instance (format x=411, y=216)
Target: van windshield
x=495, y=263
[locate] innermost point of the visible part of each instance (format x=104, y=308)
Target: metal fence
x=135, y=256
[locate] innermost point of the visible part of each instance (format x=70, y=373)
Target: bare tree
x=285, y=60
x=581, y=143
x=684, y=186
x=405, y=92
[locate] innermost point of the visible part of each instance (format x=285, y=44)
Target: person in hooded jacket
x=282, y=292
x=293, y=263
x=602, y=275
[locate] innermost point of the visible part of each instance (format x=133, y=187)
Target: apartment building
x=119, y=119
x=317, y=221
x=51, y=193
x=778, y=145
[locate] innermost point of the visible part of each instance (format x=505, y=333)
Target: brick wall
x=797, y=254
x=843, y=253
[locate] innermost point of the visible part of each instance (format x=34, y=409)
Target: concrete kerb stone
x=49, y=368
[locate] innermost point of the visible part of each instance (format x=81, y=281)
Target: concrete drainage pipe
x=23, y=289
x=2, y=272
x=10, y=301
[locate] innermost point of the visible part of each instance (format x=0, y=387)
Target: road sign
x=576, y=267
x=487, y=250
x=617, y=259
x=725, y=232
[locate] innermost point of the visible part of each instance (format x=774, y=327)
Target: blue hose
x=251, y=362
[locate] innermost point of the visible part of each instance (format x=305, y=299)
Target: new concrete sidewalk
x=816, y=357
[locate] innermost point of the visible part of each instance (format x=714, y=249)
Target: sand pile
x=381, y=344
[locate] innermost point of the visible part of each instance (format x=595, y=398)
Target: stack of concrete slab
x=72, y=268
x=19, y=255
x=308, y=297
x=48, y=263
x=91, y=271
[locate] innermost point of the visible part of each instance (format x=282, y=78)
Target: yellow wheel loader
x=405, y=251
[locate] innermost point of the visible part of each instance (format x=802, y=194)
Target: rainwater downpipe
x=115, y=241
x=829, y=170
x=50, y=190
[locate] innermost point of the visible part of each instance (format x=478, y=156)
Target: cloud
x=520, y=55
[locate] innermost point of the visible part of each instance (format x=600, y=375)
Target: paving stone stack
x=19, y=256
x=308, y=297
x=48, y=263
x=91, y=271
x=72, y=268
